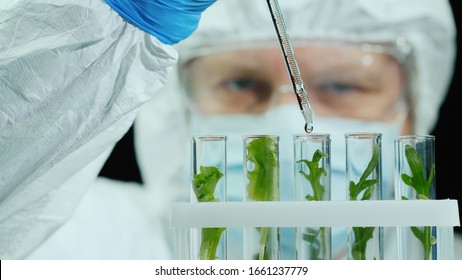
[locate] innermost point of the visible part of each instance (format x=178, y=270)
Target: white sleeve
x=72, y=77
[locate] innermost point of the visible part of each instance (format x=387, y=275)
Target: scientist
x=369, y=65
x=73, y=75
x=380, y=66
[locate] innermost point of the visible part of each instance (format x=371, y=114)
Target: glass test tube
x=414, y=158
x=364, y=182
x=261, y=177
x=312, y=183
x=208, y=176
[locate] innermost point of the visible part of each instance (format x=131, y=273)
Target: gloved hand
x=170, y=21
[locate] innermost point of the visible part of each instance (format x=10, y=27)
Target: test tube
x=208, y=176
x=364, y=182
x=414, y=159
x=312, y=183
x=261, y=177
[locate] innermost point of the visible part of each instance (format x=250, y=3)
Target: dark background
x=122, y=164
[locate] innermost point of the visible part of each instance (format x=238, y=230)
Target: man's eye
x=239, y=85
x=335, y=88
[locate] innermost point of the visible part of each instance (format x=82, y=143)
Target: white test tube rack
x=443, y=214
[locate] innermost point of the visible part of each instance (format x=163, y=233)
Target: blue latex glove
x=170, y=21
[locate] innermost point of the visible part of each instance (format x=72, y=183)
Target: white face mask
x=285, y=121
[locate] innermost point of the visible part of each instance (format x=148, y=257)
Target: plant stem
x=209, y=244
x=323, y=243
x=262, y=242
x=427, y=242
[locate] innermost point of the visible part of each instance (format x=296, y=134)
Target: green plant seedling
x=318, y=249
x=365, y=187
x=263, y=184
x=422, y=187
x=204, y=185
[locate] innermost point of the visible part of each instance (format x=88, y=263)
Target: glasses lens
x=342, y=82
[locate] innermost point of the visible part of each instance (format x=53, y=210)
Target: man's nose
x=285, y=94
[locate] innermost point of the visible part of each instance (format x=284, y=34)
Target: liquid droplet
x=308, y=128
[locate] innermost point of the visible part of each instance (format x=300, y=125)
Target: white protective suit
x=143, y=213
x=55, y=139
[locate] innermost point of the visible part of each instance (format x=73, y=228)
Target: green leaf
x=415, y=164
x=264, y=178
x=205, y=182
x=361, y=236
x=363, y=184
x=406, y=179
x=372, y=163
x=312, y=236
x=209, y=244
x=418, y=233
x=204, y=185
x=314, y=177
x=368, y=192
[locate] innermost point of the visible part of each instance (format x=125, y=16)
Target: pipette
x=292, y=66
